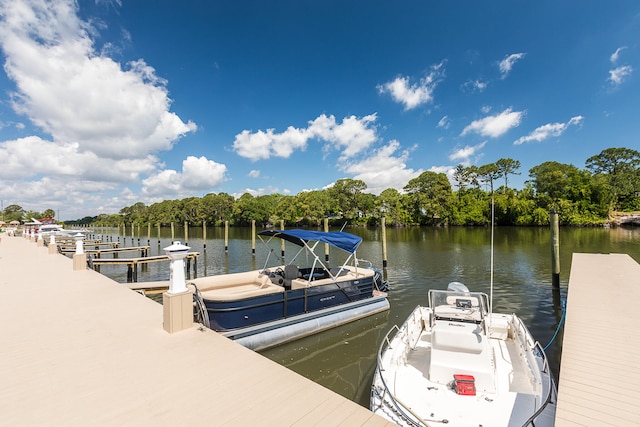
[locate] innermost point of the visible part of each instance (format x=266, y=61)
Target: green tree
x=136, y=213
x=13, y=213
x=554, y=182
x=49, y=213
x=345, y=195
x=461, y=177
x=430, y=197
x=507, y=167
x=313, y=206
x=389, y=204
x=488, y=173
x=620, y=168
x=218, y=207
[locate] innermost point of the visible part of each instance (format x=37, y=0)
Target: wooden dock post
x=326, y=246
x=384, y=242
x=555, y=249
x=204, y=235
x=158, y=224
x=282, y=240
x=253, y=237
x=148, y=234
x=173, y=233
x=133, y=235
x=226, y=237
x=186, y=233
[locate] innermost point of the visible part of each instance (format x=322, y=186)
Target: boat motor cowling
x=457, y=287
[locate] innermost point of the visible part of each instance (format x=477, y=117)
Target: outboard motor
x=379, y=283
x=457, y=287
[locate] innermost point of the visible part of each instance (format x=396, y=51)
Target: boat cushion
x=459, y=348
x=457, y=336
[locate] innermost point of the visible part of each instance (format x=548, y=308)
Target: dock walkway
x=79, y=349
x=600, y=373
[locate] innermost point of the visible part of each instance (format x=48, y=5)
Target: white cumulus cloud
x=412, y=95
x=462, y=155
x=494, y=126
x=100, y=123
x=549, y=130
x=507, y=63
x=198, y=173
x=619, y=74
x=351, y=136
x=383, y=169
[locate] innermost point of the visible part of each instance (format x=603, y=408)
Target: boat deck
x=80, y=349
x=434, y=402
x=599, y=372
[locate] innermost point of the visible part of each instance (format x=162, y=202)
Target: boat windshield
x=460, y=306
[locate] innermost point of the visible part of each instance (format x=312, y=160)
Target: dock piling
x=555, y=249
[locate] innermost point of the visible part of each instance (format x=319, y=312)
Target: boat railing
x=535, y=349
x=401, y=409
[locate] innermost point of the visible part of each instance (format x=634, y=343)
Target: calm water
x=343, y=359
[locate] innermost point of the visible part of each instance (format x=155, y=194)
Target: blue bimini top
x=339, y=239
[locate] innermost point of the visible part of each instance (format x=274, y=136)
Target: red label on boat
x=465, y=384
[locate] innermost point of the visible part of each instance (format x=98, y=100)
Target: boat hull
x=235, y=314
x=513, y=384
x=261, y=337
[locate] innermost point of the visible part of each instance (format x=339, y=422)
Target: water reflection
x=343, y=359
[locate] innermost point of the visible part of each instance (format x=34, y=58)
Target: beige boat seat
x=291, y=272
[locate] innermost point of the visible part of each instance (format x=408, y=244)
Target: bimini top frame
x=309, y=239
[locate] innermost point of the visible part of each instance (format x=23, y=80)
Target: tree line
x=609, y=182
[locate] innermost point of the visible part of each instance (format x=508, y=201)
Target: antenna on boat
x=491, y=277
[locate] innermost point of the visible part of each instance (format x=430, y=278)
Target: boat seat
x=291, y=272
x=338, y=271
x=461, y=348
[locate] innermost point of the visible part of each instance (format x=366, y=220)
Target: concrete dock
x=600, y=373
x=79, y=349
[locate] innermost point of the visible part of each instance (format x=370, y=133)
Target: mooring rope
x=564, y=312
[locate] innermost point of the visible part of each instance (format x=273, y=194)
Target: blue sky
x=107, y=103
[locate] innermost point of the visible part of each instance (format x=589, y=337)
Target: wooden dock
x=79, y=349
x=600, y=373
x=132, y=263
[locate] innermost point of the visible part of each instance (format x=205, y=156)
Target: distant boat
x=272, y=305
x=48, y=226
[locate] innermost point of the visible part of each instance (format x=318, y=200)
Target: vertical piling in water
x=148, y=234
x=186, y=233
x=326, y=246
x=384, y=242
x=226, y=237
x=555, y=249
x=173, y=233
x=253, y=237
x=133, y=234
x=282, y=240
x=138, y=234
x=204, y=234
x=118, y=231
x=158, y=234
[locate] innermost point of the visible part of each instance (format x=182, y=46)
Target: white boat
x=275, y=304
x=457, y=363
x=48, y=227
